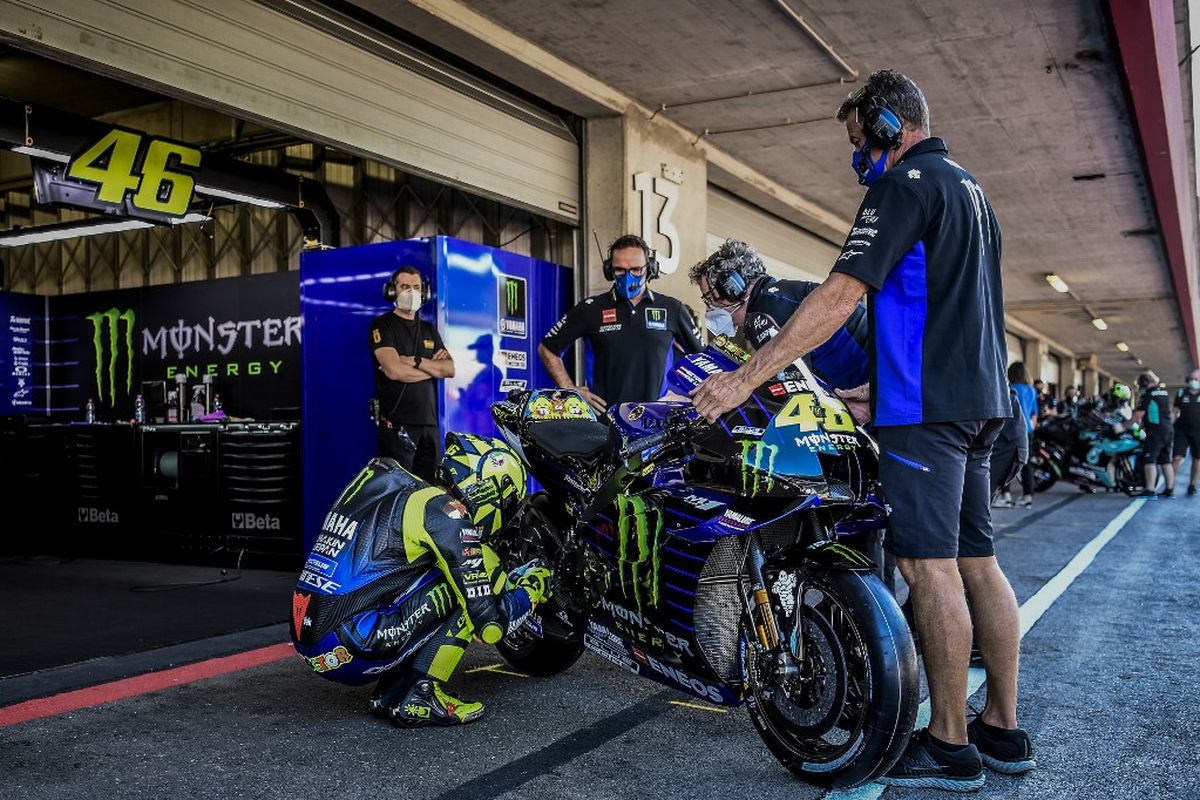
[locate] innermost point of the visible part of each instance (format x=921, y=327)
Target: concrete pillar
x=643, y=177
x=1032, y=351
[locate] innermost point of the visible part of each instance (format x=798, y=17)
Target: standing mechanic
x=632, y=331
x=1187, y=428
x=409, y=357
x=926, y=246
x=1154, y=415
x=740, y=295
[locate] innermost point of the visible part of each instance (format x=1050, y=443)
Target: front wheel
x=845, y=714
x=1044, y=474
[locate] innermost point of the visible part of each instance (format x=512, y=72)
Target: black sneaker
x=1146, y=493
x=1166, y=494
x=1192, y=490
x=1007, y=751
x=925, y=765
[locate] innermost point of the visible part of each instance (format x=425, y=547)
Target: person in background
x=1018, y=379
x=634, y=332
x=1154, y=414
x=409, y=358
x=1187, y=428
x=1047, y=406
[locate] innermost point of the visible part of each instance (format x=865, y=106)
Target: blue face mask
x=628, y=285
x=865, y=169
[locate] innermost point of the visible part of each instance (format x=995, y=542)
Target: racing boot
x=427, y=703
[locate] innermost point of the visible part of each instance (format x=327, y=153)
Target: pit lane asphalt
x=1108, y=691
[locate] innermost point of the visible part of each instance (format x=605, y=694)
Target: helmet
x=485, y=474
x=1121, y=392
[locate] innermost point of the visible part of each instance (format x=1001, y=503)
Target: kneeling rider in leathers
x=399, y=581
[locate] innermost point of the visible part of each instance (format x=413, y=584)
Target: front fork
x=762, y=615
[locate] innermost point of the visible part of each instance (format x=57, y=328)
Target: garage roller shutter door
x=789, y=251
x=336, y=84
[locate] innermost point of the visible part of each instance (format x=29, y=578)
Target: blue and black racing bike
x=729, y=561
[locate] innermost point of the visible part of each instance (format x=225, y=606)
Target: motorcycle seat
x=578, y=438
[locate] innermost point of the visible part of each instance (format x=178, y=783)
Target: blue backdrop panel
x=491, y=307
x=23, y=354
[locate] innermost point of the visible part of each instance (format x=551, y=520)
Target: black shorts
x=1187, y=442
x=935, y=478
x=1159, y=443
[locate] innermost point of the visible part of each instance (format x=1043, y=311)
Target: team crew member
x=398, y=583
x=1187, y=428
x=926, y=246
x=1154, y=414
x=741, y=296
x=633, y=332
x=409, y=358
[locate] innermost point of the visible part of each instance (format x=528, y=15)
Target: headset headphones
x=389, y=288
x=651, y=261
x=881, y=125
x=730, y=285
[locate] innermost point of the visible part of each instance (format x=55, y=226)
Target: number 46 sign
x=154, y=175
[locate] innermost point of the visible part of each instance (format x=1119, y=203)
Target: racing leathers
x=398, y=583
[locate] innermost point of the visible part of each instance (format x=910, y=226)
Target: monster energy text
x=758, y=466
x=638, y=543
x=111, y=319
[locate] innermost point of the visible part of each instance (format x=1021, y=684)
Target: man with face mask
x=634, y=333
x=742, y=297
x=409, y=357
x=925, y=247
x=1187, y=428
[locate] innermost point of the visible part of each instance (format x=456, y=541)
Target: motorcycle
x=1092, y=451
x=726, y=562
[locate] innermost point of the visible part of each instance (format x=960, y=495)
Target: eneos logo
x=107, y=342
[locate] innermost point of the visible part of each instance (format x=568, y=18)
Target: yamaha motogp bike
x=727, y=562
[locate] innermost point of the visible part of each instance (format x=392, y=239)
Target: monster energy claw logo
x=637, y=544
x=359, y=482
x=758, y=462
x=440, y=597
x=113, y=317
x=512, y=297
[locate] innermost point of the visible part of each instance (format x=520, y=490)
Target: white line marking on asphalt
x=1031, y=611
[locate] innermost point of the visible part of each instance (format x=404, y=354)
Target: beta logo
x=249, y=521
x=97, y=516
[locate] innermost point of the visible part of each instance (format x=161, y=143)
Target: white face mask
x=408, y=301
x=720, y=322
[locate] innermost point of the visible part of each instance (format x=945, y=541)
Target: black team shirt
x=631, y=346
x=405, y=403
x=926, y=243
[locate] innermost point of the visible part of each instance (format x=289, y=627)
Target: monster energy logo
x=359, y=481
x=637, y=544
x=758, y=466
x=512, y=297
x=440, y=597
x=113, y=317
x=512, y=307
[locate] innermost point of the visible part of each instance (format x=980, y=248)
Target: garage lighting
x=237, y=197
x=1099, y=324
x=1124, y=348
x=88, y=227
x=1058, y=284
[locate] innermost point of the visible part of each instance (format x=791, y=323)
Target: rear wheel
x=558, y=647
x=1044, y=475
x=844, y=717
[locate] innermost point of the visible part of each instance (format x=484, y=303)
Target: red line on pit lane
x=77, y=699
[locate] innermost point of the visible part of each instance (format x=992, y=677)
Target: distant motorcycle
x=726, y=562
x=1088, y=451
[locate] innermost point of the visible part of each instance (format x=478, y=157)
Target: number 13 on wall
x=649, y=187
x=156, y=171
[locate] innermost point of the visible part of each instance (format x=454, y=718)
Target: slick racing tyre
x=1044, y=475
x=540, y=657
x=844, y=717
